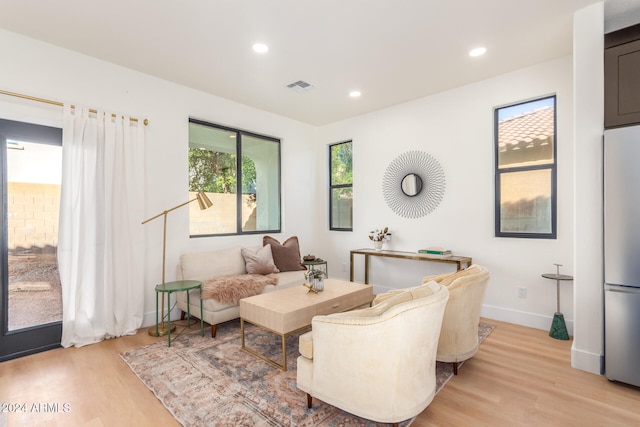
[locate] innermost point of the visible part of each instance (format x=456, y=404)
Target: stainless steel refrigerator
x=622, y=254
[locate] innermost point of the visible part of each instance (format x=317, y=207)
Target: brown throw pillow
x=260, y=262
x=286, y=256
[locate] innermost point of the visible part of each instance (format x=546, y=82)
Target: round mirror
x=411, y=185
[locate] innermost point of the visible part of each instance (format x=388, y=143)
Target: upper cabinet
x=622, y=78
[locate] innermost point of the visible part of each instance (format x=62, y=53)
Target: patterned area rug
x=212, y=382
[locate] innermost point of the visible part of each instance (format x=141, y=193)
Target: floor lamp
x=204, y=203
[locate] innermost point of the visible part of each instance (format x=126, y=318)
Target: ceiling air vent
x=300, y=86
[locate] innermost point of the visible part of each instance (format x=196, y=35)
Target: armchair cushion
x=305, y=345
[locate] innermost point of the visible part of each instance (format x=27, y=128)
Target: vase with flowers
x=379, y=236
x=315, y=278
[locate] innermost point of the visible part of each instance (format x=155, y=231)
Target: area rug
x=212, y=382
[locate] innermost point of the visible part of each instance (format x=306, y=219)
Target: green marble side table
x=558, y=326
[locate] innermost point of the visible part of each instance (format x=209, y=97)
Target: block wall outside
x=221, y=217
x=33, y=212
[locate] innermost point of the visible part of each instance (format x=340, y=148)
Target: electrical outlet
x=522, y=292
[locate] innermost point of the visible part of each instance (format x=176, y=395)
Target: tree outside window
x=341, y=186
x=245, y=194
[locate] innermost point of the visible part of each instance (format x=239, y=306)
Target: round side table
x=178, y=286
x=558, y=326
x=315, y=263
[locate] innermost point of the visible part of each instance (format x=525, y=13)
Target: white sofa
x=207, y=265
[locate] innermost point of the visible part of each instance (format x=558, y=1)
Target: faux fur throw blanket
x=230, y=289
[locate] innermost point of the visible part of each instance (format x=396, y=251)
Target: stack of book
x=436, y=252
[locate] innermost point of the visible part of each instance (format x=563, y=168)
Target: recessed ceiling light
x=355, y=93
x=260, y=48
x=479, y=51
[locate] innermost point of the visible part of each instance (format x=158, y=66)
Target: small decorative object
x=309, y=257
x=413, y=184
x=315, y=278
x=379, y=236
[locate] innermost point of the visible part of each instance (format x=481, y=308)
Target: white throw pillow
x=260, y=262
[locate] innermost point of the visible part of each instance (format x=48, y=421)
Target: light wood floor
x=520, y=376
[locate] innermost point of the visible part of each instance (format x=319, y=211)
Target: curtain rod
x=59, y=104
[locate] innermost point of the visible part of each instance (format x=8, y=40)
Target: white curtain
x=101, y=238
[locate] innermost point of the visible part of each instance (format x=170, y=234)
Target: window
x=525, y=149
x=246, y=193
x=341, y=187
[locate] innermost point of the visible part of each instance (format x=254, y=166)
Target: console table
x=453, y=259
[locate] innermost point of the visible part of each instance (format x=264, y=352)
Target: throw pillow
x=286, y=256
x=260, y=262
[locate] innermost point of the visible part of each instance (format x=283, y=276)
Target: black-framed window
x=341, y=186
x=246, y=193
x=526, y=169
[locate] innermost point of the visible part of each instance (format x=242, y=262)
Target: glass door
x=31, y=297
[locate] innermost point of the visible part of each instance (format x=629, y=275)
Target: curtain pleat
x=101, y=238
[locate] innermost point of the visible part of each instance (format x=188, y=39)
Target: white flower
x=380, y=235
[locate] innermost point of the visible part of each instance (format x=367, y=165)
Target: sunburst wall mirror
x=413, y=184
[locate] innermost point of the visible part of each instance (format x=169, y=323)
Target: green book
x=435, y=251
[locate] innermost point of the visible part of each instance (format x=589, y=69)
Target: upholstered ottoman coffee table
x=290, y=310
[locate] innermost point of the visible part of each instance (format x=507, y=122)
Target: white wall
x=456, y=127
x=42, y=70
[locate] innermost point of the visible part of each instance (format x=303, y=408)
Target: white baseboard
x=149, y=319
x=586, y=361
x=531, y=320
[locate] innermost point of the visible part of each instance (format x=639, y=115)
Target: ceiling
x=391, y=51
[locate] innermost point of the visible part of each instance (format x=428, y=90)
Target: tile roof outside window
x=527, y=138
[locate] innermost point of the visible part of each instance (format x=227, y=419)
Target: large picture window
x=525, y=147
x=341, y=186
x=245, y=193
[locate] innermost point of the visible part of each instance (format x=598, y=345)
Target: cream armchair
x=459, y=336
x=379, y=362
